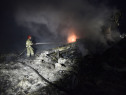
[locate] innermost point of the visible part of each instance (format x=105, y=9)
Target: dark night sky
x=11, y=35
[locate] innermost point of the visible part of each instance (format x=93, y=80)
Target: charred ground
x=95, y=74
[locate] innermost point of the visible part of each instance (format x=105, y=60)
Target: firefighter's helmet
x=29, y=37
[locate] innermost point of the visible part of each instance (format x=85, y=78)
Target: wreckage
x=58, y=72
x=51, y=72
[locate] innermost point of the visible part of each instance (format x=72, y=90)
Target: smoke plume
x=53, y=21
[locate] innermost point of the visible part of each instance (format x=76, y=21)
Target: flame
x=71, y=38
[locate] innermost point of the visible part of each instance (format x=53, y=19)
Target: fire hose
x=38, y=44
x=33, y=44
x=54, y=85
x=22, y=52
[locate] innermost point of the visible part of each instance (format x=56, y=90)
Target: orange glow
x=71, y=38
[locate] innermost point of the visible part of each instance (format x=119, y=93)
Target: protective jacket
x=29, y=48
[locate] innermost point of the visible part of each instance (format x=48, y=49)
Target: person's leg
x=31, y=51
x=28, y=52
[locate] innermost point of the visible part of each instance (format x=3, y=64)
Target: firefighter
x=29, y=48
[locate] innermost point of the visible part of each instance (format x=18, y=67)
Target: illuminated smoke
x=52, y=21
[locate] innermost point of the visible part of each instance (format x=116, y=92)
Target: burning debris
x=55, y=70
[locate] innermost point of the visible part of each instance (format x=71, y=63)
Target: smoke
x=52, y=21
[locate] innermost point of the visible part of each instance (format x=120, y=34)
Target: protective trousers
x=30, y=51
